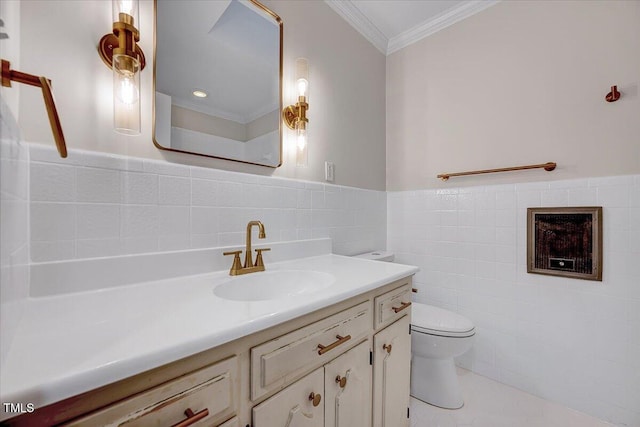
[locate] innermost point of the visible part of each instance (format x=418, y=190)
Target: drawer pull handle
x=414, y=290
x=340, y=340
x=192, y=417
x=315, y=398
x=387, y=347
x=342, y=381
x=402, y=307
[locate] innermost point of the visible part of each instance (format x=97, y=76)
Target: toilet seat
x=427, y=319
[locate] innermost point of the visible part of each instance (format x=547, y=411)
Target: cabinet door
x=391, y=375
x=347, y=389
x=299, y=405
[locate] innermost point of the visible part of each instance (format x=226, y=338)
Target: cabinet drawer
x=211, y=390
x=392, y=305
x=286, y=358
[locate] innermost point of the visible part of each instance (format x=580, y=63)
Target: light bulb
x=301, y=139
x=301, y=147
x=126, y=94
x=127, y=90
x=126, y=6
x=126, y=11
x=302, y=77
x=303, y=85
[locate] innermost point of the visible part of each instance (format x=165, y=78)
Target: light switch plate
x=329, y=171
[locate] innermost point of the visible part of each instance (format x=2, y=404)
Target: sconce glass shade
x=295, y=116
x=126, y=94
x=127, y=7
x=301, y=124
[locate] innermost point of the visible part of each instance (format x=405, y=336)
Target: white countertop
x=75, y=342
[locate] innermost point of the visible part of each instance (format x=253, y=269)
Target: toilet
x=437, y=336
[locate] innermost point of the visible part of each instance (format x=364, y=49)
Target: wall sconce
x=295, y=116
x=122, y=54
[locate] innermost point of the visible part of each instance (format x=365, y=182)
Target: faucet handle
x=237, y=265
x=259, y=261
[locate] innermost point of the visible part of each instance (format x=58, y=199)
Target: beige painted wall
x=522, y=82
x=347, y=78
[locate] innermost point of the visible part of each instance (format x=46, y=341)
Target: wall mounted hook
x=614, y=95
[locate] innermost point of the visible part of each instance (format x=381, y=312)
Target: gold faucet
x=249, y=267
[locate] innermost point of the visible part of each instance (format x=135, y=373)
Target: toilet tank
x=377, y=256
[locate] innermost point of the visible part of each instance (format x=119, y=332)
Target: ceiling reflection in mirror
x=218, y=76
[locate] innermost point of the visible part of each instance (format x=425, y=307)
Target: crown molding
x=360, y=22
x=438, y=23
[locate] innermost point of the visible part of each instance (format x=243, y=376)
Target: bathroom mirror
x=217, y=80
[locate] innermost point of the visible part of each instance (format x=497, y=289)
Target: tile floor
x=489, y=403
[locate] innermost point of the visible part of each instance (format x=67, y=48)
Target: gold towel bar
x=549, y=166
x=42, y=82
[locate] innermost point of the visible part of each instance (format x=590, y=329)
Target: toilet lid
x=437, y=321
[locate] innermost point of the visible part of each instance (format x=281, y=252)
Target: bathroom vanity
x=335, y=356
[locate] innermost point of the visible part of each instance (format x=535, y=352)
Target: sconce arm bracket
x=289, y=115
x=294, y=114
x=108, y=43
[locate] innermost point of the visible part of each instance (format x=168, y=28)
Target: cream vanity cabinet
x=338, y=394
x=346, y=365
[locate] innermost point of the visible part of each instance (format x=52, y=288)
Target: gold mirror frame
x=278, y=21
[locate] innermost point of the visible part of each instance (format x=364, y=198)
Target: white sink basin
x=268, y=285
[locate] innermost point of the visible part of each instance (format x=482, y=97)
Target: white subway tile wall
x=571, y=341
x=95, y=205
x=14, y=228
